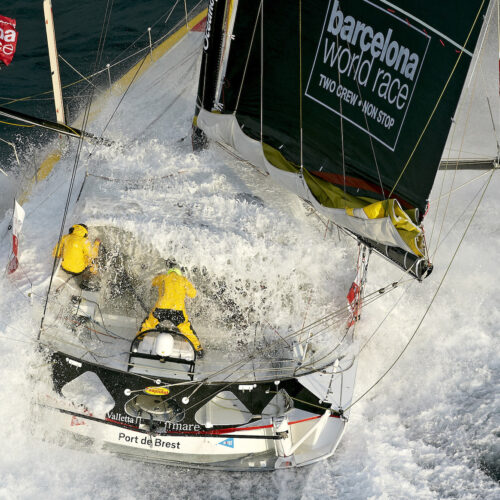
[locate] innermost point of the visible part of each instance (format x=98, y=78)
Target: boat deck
x=97, y=320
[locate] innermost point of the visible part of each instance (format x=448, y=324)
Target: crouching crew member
x=172, y=290
x=77, y=252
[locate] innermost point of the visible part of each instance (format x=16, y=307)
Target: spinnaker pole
x=60, y=128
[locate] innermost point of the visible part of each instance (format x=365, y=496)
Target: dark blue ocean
x=25, y=85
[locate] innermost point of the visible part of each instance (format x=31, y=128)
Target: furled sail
x=346, y=103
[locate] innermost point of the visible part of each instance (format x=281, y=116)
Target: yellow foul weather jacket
x=76, y=250
x=172, y=291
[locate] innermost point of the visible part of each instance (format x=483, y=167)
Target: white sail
x=475, y=135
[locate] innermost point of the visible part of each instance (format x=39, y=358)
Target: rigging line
x=429, y=27
x=461, y=186
x=186, y=14
x=437, y=102
x=340, y=341
x=390, y=310
x=82, y=347
x=58, y=246
x=120, y=102
x=467, y=121
x=454, y=128
x=17, y=288
x=248, y=59
x=367, y=300
x=370, y=297
x=432, y=300
x=75, y=167
x=240, y=159
x=217, y=390
x=4, y=337
x=312, y=363
x=210, y=396
x=459, y=218
x=383, y=320
x=11, y=100
x=17, y=330
x=33, y=210
x=494, y=128
x=76, y=71
x=27, y=277
x=235, y=366
x=370, y=138
x=104, y=33
x=484, y=80
x=311, y=292
x=16, y=124
x=300, y=92
x=480, y=48
x=32, y=97
x=301, y=400
x=261, y=72
x=168, y=13
x=66, y=98
x=277, y=333
x=142, y=180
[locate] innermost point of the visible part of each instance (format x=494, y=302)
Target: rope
x=119, y=103
x=240, y=159
x=369, y=135
x=460, y=187
x=383, y=321
x=77, y=158
x=341, y=116
x=142, y=180
x=430, y=303
x=76, y=71
x=248, y=59
x=458, y=218
x=300, y=92
x=467, y=120
x=16, y=124
x=11, y=100
x=167, y=13
x=301, y=400
x=437, y=102
x=261, y=74
x=454, y=127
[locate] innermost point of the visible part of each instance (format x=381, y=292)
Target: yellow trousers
x=150, y=323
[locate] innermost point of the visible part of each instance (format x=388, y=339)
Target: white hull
x=255, y=450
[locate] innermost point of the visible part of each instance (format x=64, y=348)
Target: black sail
x=360, y=94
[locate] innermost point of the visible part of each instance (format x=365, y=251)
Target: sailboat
x=348, y=105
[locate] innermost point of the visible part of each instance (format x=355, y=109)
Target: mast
x=54, y=63
x=210, y=65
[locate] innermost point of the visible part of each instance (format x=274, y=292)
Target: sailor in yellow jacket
x=173, y=288
x=76, y=251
